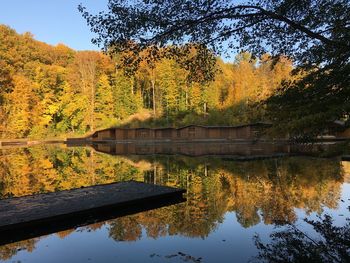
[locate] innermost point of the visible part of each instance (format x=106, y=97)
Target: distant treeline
x=54, y=90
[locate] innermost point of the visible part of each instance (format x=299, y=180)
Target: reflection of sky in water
x=228, y=241
x=342, y=211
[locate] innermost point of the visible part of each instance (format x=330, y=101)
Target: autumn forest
x=48, y=91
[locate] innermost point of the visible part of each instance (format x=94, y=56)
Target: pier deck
x=30, y=216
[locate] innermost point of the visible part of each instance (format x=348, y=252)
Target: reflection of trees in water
x=33, y=170
x=265, y=190
x=331, y=243
x=261, y=190
x=8, y=251
x=125, y=230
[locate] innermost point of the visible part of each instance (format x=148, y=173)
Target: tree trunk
x=153, y=97
x=93, y=108
x=154, y=173
x=186, y=97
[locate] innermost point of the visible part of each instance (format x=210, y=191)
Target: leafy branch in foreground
x=314, y=34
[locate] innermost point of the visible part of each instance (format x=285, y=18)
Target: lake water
x=228, y=202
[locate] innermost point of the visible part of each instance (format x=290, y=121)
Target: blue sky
x=51, y=21
x=55, y=21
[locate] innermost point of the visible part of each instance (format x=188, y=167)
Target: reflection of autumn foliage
x=261, y=190
x=47, y=169
x=128, y=229
x=63, y=234
x=8, y=251
x=265, y=190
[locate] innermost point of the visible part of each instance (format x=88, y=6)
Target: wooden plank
x=30, y=216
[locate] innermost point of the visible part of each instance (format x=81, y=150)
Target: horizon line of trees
x=50, y=90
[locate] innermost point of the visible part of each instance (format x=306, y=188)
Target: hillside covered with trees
x=51, y=91
x=314, y=34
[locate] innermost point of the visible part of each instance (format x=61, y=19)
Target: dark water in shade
x=228, y=202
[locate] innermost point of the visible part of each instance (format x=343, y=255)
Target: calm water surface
x=227, y=203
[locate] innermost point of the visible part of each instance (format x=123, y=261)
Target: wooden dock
x=17, y=143
x=31, y=216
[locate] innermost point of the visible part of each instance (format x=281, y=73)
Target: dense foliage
x=52, y=90
x=314, y=33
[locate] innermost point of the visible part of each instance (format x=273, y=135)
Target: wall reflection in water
x=243, y=150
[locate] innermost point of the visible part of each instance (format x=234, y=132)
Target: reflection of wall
x=214, y=148
x=191, y=132
x=198, y=149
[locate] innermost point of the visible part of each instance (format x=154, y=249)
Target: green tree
x=104, y=102
x=127, y=101
x=168, y=86
x=73, y=108
x=49, y=80
x=86, y=66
